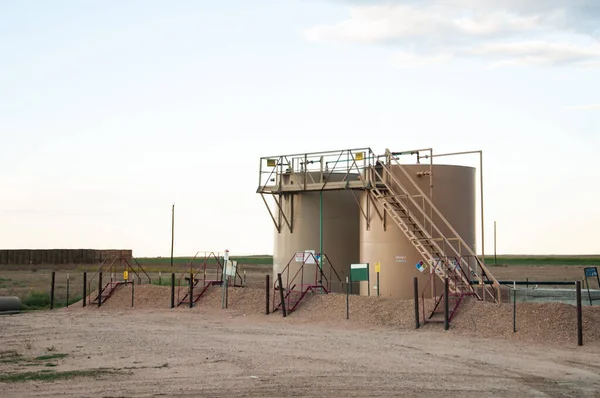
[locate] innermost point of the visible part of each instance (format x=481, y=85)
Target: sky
x=113, y=111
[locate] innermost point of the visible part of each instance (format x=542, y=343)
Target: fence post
x=172, y=290
x=84, y=288
x=281, y=295
x=416, y=292
x=446, y=305
x=515, y=311
x=68, y=280
x=191, y=292
x=132, y=290
x=579, y=315
x=100, y=289
x=52, y=290
x=267, y=291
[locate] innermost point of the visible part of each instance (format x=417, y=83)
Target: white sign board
x=308, y=259
x=230, y=268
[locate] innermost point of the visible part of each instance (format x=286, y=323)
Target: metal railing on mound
x=295, y=288
x=115, y=267
x=209, y=273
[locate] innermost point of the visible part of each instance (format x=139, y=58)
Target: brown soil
x=315, y=351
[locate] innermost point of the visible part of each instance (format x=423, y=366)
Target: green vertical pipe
x=320, y=234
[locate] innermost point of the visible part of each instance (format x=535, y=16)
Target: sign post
x=224, y=284
x=360, y=273
x=347, y=299
x=378, y=270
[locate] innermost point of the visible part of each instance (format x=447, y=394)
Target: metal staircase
x=108, y=291
x=209, y=273
x=295, y=288
x=446, y=253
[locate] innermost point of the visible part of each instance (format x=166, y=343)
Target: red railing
x=295, y=287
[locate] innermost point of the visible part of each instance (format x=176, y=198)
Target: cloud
x=507, y=32
x=591, y=107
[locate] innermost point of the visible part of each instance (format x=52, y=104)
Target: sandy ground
x=211, y=352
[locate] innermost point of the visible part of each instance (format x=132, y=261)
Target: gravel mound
x=550, y=323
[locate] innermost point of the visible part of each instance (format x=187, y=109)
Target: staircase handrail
x=462, y=243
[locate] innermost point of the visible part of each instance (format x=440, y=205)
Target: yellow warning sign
x=359, y=156
x=271, y=162
x=377, y=267
x=125, y=275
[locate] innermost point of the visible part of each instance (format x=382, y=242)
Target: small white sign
x=308, y=259
x=230, y=268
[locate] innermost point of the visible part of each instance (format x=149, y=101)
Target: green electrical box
x=359, y=272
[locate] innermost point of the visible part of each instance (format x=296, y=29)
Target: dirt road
x=190, y=353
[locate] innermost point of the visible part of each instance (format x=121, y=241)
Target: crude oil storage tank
x=315, y=210
x=338, y=210
x=452, y=190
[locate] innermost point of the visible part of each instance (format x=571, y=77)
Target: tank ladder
x=447, y=253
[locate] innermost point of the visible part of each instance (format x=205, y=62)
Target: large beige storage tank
x=340, y=231
x=453, y=195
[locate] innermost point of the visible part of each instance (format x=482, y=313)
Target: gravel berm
x=548, y=323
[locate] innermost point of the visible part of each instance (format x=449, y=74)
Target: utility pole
x=172, y=232
x=495, y=259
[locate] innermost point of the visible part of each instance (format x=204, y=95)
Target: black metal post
x=68, y=280
x=347, y=299
x=368, y=281
x=191, y=293
x=267, y=291
x=579, y=315
x=84, y=287
x=416, y=292
x=281, y=295
x=378, y=284
x=515, y=311
x=172, y=290
x=52, y=290
x=100, y=289
x=132, y=290
x=446, y=305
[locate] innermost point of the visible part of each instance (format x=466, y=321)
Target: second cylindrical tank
x=453, y=195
